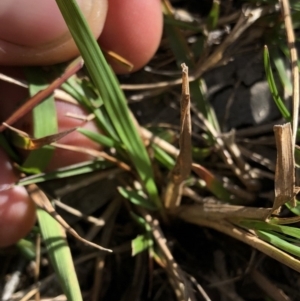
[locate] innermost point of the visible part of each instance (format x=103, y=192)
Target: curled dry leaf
x=183, y=164
x=24, y=141
x=285, y=167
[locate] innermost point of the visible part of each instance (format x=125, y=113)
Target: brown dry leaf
x=24, y=141
x=42, y=201
x=72, y=68
x=119, y=59
x=285, y=167
x=183, y=164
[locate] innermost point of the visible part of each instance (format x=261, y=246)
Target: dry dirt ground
x=215, y=266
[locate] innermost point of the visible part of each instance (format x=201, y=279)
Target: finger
x=133, y=30
x=12, y=97
x=34, y=32
x=17, y=211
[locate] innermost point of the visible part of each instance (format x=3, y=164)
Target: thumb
x=34, y=32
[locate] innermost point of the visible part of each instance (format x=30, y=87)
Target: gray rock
x=263, y=107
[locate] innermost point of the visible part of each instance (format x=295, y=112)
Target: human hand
x=34, y=33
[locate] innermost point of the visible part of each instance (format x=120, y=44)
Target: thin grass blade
x=140, y=244
x=136, y=198
x=278, y=242
x=113, y=98
x=60, y=255
x=273, y=88
x=69, y=171
x=45, y=123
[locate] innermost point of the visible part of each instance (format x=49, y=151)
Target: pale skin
x=35, y=34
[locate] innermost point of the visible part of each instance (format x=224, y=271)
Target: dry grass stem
x=226, y=156
x=166, y=146
x=177, y=277
x=73, y=67
x=100, y=260
x=172, y=150
x=182, y=168
x=285, y=167
x=223, y=211
x=244, y=236
x=85, y=118
x=58, y=93
x=41, y=200
x=94, y=153
x=255, y=157
x=96, y=221
x=270, y=288
x=88, y=180
x=37, y=265
x=106, y=216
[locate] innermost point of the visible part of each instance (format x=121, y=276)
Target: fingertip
x=17, y=211
x=34, y=32
x=133, y=30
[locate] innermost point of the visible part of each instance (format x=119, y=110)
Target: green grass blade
x=60, y=255
x=200, y=154
x=135, y=198
x=213, y=184
x=183, y=24
x=113, y=98
x=27, y=249
x=287, y=238
x=295, y=210
x=99, y=138
x=94, y=105
x=279, y=243
x=70, y=171
x=141, y=243
x=213, y=17
x=273, y=88
x=297, y=152
x=259, y=225
x=183, y=54
x=177, y=41
x=281, y=70
x=38, y=159
x=140, y=221
x=45, y=123
x=162, y=157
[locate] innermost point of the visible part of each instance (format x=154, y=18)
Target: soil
x=214, y=266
